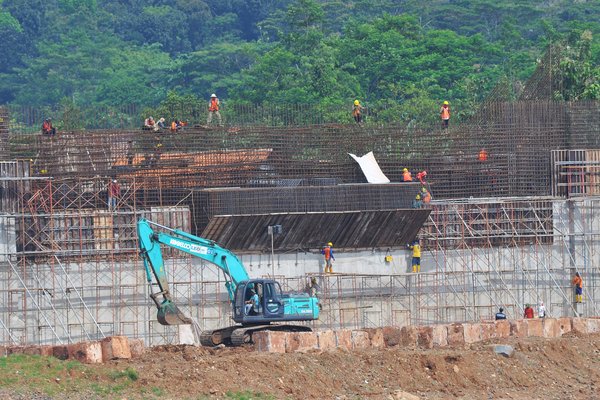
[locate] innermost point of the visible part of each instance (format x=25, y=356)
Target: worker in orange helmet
x=406, y=176
x=445, y=114
x=327, y=251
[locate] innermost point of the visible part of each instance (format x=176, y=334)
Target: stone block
x=593, y=325
x=261, y=341
x=46, y=351
x=292, y=342
x=269, y=341
x=277, y=341
x=10, y=350
x=551, y=328
x=518, y=328
x=360, y=340
x=115, y=348
x=456, y=335
x=409, y=336
x=32, y=350
x=579, y=325
x=425, y=337
x=391, y=336
x=60, y=351
x=440, y=335
x=564, y=325
x=473, y=332
x=85, y=352
x=301, y=342
x=502, y=328
x=344, y=339
x=488, y=331
x=376, y=337
x=535, y=327
x=326, y=340
x=137, y=347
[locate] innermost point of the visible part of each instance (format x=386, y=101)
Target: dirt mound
x=561, y=368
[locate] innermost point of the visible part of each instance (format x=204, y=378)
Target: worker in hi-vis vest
x=327, y=251
x=445, y=114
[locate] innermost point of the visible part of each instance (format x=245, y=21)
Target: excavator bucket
x=169, y=314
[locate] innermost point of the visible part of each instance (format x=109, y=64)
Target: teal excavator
x=273, y=310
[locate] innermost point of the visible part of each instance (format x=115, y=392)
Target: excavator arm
x=150, y=249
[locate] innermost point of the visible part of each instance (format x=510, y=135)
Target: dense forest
x=403, y=56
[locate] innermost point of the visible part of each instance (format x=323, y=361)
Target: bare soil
x=563, y=368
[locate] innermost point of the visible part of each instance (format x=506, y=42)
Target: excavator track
x=216, y=337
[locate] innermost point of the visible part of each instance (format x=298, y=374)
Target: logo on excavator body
x=194, y=248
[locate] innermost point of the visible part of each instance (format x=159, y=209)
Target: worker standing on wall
x=416, y=256
x=425, y=195
x=578, y=282
x=213, y=108
x=327, y=251
x=357, y=112
x=445, y=114
x=528, y=312
x=406, y=176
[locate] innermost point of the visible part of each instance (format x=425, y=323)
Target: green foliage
x=580, y=79
x=129, y=373
x=400, y=58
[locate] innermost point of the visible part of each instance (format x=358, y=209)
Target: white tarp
x=370, y=168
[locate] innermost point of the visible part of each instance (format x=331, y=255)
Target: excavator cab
x=268, y=308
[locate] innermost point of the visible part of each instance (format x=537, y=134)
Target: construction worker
x=445, y=114
x=425, y=195
x=47, y=128
x=500, y=314
x=541, y=310
x=421, y=177
x=213, y=108
x=114, y=192
x=327, y=251
x=149, y=124
x=528, y=312
x=406, y=176
x=483, y=155
x=416, y=256
x=357, y=111
x=252, y=304
x=417, y=202
x=578, y=282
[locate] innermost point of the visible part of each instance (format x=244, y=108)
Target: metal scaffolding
x=69, y=268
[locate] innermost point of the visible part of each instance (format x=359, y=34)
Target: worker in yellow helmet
x=445, y=114
x=357, y=112
x=327, y=251
x=416, y=257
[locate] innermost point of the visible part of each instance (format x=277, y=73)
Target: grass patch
x=47, y=375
